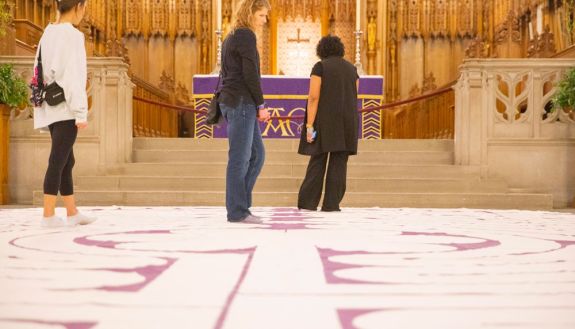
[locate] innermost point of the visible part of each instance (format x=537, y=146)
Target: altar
x=286, y=97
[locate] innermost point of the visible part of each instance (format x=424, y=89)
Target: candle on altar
x=357, y=15
x=219, y=15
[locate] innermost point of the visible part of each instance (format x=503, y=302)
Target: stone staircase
x=386, y=173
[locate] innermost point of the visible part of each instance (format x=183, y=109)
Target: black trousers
x=312, y=185
x=59, y=174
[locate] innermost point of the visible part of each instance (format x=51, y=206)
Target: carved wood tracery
x=456, y=29
x=437, y=29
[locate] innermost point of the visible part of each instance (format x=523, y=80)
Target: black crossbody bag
x=52, y=94
x=214, y=115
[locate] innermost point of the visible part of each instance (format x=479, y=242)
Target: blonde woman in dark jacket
x=242, y=104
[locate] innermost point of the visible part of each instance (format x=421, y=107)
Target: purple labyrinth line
x=51, y=324
x=346, y=316
x=222, y=318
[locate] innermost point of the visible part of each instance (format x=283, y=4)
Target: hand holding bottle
x=311, y=134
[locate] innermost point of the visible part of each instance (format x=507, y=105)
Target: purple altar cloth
x=287, y=96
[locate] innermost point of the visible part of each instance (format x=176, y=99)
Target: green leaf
x=565, y=94
x=13, y=89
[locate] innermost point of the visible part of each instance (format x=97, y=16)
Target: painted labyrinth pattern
x=361, y=268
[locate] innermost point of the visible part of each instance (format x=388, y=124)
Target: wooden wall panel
x=411, y=59
x=185, y=65
x=438, y=60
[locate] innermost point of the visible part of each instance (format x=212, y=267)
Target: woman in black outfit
x=331, y=126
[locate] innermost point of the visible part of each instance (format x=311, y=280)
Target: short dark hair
x=330, y=45
x=65, y=6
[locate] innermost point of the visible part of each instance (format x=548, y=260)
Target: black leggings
x=59, y=174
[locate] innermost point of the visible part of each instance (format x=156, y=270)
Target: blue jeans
x=245, y=158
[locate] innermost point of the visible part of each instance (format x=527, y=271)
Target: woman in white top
x=63, y=57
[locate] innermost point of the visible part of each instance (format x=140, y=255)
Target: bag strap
x=217, y=90
x=40, y=78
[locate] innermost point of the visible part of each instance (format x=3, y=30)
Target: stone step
x=285, y=184
x=352, y=199
x=437, y=145
x=356, y=170
x=390, y=157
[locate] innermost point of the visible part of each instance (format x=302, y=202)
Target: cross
x=298, y=40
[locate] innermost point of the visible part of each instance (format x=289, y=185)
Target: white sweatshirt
x=63, y=61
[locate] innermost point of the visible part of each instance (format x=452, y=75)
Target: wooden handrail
x=169, y=106
x=141, y=83
x=152, y=115
x=427, y=116
x=447, y=88
x=436, y=92
x=430, y=115
x=568, y=52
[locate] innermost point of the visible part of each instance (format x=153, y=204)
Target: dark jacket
x=241, y=69
x=337, y=120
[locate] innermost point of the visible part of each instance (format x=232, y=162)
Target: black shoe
x=330, y=210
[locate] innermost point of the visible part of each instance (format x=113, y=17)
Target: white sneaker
x=251, y=219
x=52, y=222
x=256, y=217
x=80, y=219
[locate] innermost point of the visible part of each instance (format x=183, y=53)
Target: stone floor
x=374, y=268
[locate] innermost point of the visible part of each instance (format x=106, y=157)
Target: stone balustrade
x=505, y=124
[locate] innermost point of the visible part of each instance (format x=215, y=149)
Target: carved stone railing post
x=112, y=110
x=469, y=131
x=505, y=124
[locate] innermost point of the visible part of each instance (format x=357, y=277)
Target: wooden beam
x=324, y=17
x=273, y=39
x=4, y=150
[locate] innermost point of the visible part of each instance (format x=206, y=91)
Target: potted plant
x=13, y=94
x=564, y=97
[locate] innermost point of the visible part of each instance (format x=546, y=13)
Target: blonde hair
x=245, y=13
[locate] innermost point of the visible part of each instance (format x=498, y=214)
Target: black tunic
x=337, y=120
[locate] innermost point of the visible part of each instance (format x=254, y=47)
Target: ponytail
x=65, y=6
